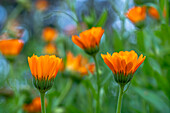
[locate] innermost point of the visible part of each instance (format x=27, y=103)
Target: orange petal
x=78, y=42
x=128, y=68
x=85, y=37
x=39, y=67
x=118, y=64
x=93, y=42
x=45, y=66
x=107, y=61
x=34, y=61
x=140, y=61
x=57, y=67
x=123, y=63
x=30, y=65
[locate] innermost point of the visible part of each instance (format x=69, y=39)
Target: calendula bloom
x=123, y=64
x=34, y=106
x=44, y=69
x=136, y=14
x=41, y=5
x=89, y=40
x=49, y=34
x=78, y=64
x=154, y=13
x=50, y=49
x=11, y=47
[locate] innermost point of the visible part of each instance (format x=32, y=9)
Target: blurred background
x=41, y=27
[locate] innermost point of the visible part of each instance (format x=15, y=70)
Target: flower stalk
x=42, y=96
x=119, y=103
x=123, y=66
x=98, y=85
x=44, y=70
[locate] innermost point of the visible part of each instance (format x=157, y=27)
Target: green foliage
x=149, y=90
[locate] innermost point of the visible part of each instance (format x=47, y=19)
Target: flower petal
x=107, y=61
x=78, y=42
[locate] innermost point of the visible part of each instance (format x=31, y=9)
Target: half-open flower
x=49, y=34
x=153, y=12
x=11, y=47
x=78, y=65
x=44, y=69
x=123, y=64
x=136, y=14
x=89, y=40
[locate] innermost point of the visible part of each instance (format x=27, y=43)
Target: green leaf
x=72, y=109
x=102, y=19
x=153, y=99
x=140, y=40
x=89, y=85
x=155, y=65
x=117, y=41
x=106, y=79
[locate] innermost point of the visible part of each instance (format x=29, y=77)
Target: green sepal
x=122, y=79
x=43, y=85
x=92, y=51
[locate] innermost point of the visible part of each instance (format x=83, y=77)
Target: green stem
x=16, y=12
x=98, y=86
x=119, y=103
x=42, y=95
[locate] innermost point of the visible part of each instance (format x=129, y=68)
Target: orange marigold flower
x=41, y=5
x=123, y=64
x=136, y=14
x=34, y=106
x=49, y=34
x=50, y=49
x=154, y=13
x=78, y=64
x=89, y=40
x=44, y=69
x=11, y=47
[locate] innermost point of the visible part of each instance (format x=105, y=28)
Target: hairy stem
x=98, y=86
x=42, y=95
x=119, y=103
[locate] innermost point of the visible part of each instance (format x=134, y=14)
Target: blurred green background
x=149, y=91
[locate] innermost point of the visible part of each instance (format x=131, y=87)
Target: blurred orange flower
x=123, y=62
x=89, y=40
x=136, y=14
x=154, y=13
x=11, y=47
x=49, y=34
x=44, y=67
x=41, y=5
x=50, y=49
x=78, y=64
x=34, y=106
